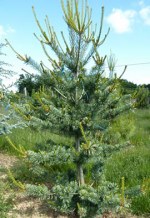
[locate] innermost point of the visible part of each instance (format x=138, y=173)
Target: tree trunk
x=80, y=174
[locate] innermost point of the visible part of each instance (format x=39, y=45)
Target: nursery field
x=74, y=138
x=132, y=164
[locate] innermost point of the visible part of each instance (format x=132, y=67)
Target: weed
x=6, y=202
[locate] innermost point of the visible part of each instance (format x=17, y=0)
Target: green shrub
x=142, y=97
x=121, y=130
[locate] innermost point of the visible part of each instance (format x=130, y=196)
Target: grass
x=141, y=205
x=30, y=139
x=142, y=131
x=134, y=163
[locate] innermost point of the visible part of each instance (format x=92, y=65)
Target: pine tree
x=79, y=103
x=4, y=72
x=8, y=117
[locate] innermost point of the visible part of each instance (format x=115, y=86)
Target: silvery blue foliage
x=8, y=118
x=9, y=122
x=57, y=155
x=41, y=192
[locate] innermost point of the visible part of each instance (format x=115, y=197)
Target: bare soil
x=24, y=207
x=6, y=160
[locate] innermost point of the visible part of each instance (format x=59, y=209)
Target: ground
x=25, y=207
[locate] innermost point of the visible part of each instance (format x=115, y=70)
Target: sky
x=128, y=40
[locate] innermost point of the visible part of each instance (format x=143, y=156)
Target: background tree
x=147, y=86
x=142, y=97
x=77, y=103
x=128, y=87
x=25, y=82
x=32, y=83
